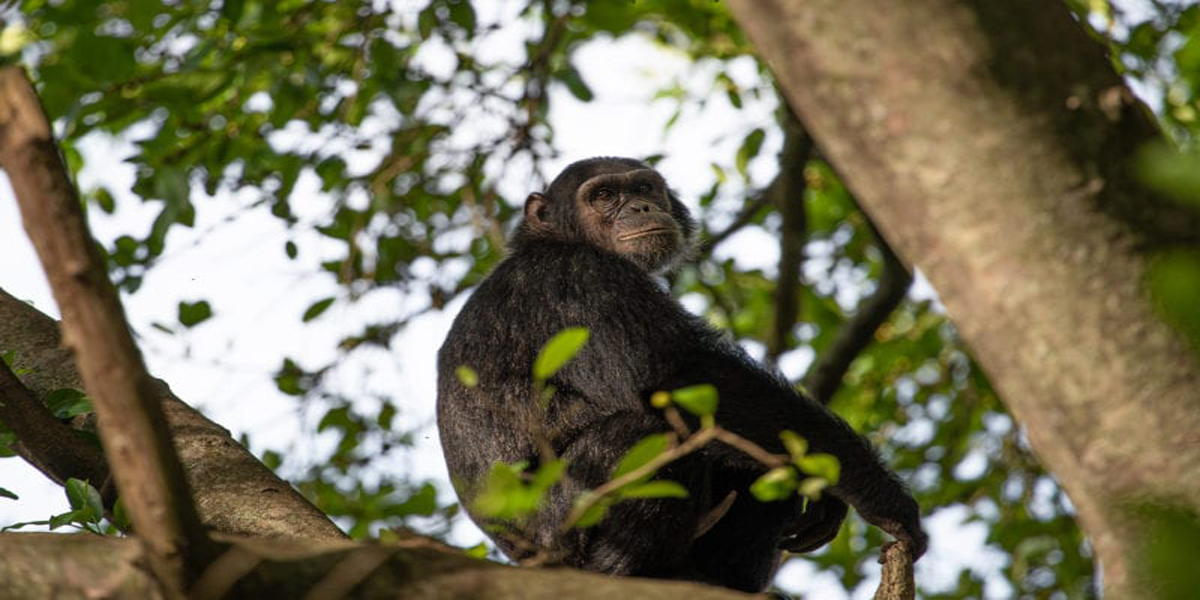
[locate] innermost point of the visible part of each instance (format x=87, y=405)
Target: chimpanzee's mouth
x=644, y=233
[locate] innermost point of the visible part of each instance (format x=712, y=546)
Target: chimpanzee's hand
x=816, y=526
x=896, y=512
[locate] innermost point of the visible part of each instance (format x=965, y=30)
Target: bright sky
x=235, y=259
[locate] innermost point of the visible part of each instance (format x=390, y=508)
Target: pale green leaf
x=655, y=489
x=560, y=349
x=700, y=400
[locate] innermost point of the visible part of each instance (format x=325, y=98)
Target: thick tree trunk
x=991, y=143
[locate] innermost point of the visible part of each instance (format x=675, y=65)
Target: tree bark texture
x=991, y=143
x=46, y=565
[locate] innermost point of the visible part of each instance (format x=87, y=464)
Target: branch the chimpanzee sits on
x=585, y=255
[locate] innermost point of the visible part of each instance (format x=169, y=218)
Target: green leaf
x=479, y=550
x=4, y=493
x=503, y=495
x=387, y=413
x=272, y=459
x=66, y=403
x=506, y=495
x=1174, y=282
x=655, y=489
x=291, y=379
x=749, y=149
x=121, y=516
x=560, y=349
x=85, y=500
x=316, y=309
x=796, y=446
x=194, y=313
x=776, y=484
x=641, y=453
x=576, y=85
x=104, y=199
x=16, y=526
x=812, y=487
x=548, y=474
x=700, y=400
x=290, y=249
x=467, y=376
x=67, y=518
x=1168, y=550
x=594, y=513
x=822, y=465
x=463, y=15
x=422, y=503
x=1173, y=173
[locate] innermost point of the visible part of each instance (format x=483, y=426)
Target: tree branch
x=56, y=565
x=47, y=443
x=787, y=193
x=825, y=375
x=897, y=579
x=130, y=421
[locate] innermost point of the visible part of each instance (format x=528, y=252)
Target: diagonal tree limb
x=131, y=424
x=47, y=443
x=825, y=375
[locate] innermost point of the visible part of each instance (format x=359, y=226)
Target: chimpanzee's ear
x=537, y=212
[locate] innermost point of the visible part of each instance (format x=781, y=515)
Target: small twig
x=672, y=453
x=675, y=452
x=787, y=193
x=675, y=420
x=750, y=448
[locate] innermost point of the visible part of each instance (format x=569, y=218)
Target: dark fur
x=642, y=341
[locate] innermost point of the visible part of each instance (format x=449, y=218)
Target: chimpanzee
x=586, y=254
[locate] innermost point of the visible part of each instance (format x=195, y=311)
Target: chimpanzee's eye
x=602, y=194
x=644, y=189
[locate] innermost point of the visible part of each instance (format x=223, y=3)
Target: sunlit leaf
x=194, y=313
x=655, y=489
x=66, y=403
x=316, y=308
x=594, y=514
x=84, y=499
x=749, y=149
x=795, y=445
x=821, y=465
x=700, y=400
x=467, y=376
x=776, y=484
x=1174, y=282
x=556, y=352
x=812, y=487
x=641, y=453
